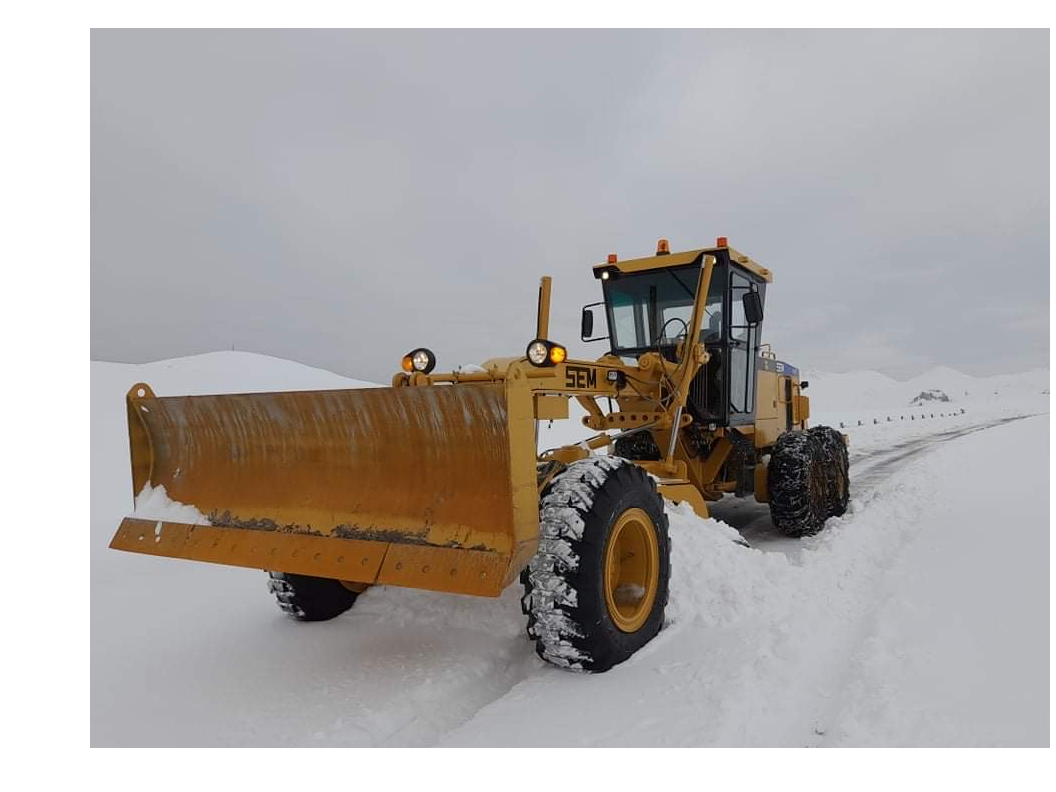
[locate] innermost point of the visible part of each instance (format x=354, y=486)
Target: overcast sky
x=339, y=197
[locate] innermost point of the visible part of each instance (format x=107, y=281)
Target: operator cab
x=649, y=308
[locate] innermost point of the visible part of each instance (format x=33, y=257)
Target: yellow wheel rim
x=632, y=570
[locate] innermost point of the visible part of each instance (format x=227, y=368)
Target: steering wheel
x=683, y=334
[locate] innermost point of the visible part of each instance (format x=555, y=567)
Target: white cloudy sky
x=338, y=197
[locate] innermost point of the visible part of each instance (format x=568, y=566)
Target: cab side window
x=742, y=348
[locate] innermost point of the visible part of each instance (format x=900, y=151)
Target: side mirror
x=753, y=307
x=586, y=324
x=804, y=385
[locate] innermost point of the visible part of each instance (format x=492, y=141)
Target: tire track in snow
x=881, y=464
x=838, y=571
x=823, y=684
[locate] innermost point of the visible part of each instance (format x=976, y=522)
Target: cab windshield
x=655, y=308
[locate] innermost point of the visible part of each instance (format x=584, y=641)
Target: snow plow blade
x=422, y=487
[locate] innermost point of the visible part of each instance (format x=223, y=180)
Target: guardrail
x=912, y=417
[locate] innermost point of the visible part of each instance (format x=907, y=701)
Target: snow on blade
x=154, y=503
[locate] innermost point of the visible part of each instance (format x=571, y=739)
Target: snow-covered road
x=870, y=467
x=921, y=617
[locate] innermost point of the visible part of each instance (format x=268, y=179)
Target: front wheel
x=596, y=590
x=308, y=598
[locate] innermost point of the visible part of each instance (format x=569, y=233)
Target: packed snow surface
x=919, y=618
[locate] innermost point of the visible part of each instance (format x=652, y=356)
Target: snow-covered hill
x=921, y=617
x=872, y=391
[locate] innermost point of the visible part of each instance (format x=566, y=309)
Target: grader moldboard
x=437, y=483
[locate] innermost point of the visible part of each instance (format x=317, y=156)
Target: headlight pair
x=545, y=353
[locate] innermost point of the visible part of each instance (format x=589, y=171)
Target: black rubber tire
x=564, y=594
x=310, y=598
x=838, y=468
x=798, y=481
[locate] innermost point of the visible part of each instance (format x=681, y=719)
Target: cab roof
x=685, y=257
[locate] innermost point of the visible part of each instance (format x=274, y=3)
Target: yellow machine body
x=432, y=483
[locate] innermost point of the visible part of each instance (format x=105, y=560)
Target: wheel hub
x=632, y=570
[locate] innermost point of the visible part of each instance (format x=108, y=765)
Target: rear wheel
x=596, y=590
x=310, y=598
x=837, y=466
x=798, y=483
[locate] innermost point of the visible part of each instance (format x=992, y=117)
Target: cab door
x=742, y=345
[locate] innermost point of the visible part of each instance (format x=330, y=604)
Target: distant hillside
x=871, y=389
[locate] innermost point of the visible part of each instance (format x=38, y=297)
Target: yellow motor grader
x=437, y=482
